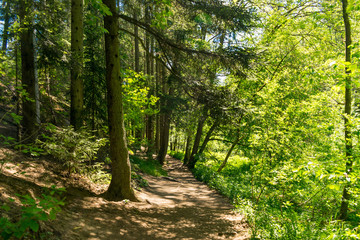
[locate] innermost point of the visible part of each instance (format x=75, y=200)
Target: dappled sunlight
x=174, y=207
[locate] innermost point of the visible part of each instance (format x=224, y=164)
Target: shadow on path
x=174, y=207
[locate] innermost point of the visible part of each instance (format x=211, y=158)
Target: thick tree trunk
x=208, y=135
x=348, y=136
x=77, y=85
x=30, y=106
x=192, y=160
x=120, y=186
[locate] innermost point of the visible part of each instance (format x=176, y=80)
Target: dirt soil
x=173, y=207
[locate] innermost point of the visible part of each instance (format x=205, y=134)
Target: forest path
x=173, y=207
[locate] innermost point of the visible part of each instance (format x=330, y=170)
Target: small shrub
x=74, y=149
x=32, y=212
x=98, y=175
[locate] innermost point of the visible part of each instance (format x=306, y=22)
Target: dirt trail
x=173, y=207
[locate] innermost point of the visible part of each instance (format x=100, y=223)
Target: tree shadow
x=112, y=222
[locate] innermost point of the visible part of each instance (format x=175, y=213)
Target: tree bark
x=348, y=135
x=30, y=104
x=165, y=122
x=149, y=72
x=157, y=117
x=187, y=148
x=208, y=135
x=223, y=164
x=138, y=132
x=193, y=160
x=136, y=43
x=164, y=138
x=77, y=85
x=6, y=25
x=120, y=186
x=18, y=125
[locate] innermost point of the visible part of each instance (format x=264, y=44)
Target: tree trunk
x=208, y=135
x=31, y=114
x=157, y=118
x=193, y=160
x=175, y=141
x=348, y=136
x=136, y=42
x=6, y=25
x=120, y=186
x=164, y=137
x=165, y=123
x=18, y=100
x=77, y=85
x=230, y=151
x=149, y=72
x=138, y=132
x=187, y=148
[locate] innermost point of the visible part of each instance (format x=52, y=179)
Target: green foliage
x=98, y=4
x=97, y=174
x=95, y=103
x=148, y=166
x=177, y=155
x=296, y=200
x=33, y=212
x=163, y=13
x=137, y=102
x=7, y=140
x=30, y=149
x=74, y=149
x=139, y=180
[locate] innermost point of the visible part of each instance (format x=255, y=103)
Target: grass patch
x=151, y=167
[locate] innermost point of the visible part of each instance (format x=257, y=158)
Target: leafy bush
x=74, y=149
x=97, y=174
x=287, y=201
x=32, y=212
x=30, y=149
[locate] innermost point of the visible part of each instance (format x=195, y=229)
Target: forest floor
x=173, y=207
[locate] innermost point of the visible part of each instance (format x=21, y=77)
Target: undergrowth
x=77, y=150
x=33, y=211
x=177, y=155
x=288, y=201
x=148, y=166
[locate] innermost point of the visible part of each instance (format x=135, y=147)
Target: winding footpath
x=173, y=207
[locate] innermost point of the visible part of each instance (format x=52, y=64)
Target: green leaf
x=34, y=225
